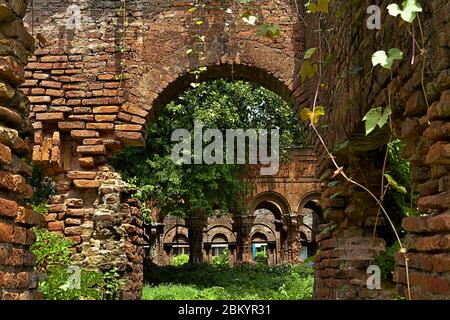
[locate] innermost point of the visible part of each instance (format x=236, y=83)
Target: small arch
x=307, y=201
x=272, y=201
x=223, y=231
x=175, y=232
x=268, y=233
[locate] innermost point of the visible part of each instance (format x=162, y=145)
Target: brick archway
x=81, y=115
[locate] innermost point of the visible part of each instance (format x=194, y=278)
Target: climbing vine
x=122, y=45
x=375, y=117
x=243, y=11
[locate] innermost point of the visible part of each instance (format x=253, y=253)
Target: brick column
x=242, y=226
x=346, y=241
x=428, y=241
x=18, y=280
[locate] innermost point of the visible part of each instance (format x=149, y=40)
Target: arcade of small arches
x=272, y=230
x=65, y=107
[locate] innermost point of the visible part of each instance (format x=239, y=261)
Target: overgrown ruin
x=89, y=99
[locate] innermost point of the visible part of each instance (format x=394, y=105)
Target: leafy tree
x=200, y=190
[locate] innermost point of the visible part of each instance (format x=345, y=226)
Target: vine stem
x=340, y=170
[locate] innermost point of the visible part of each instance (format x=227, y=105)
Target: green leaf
x=309, y=53
x=249, y=18
x=376, y=117
x=335, y=195
x=321, y=6
x=394, y=184
x=269, y=30
x=386, y=60
x=409, y=11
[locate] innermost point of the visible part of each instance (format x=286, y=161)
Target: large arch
x=81, y=115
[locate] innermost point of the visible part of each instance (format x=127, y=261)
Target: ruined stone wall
x=18, y=280
x=84, y=108
x=351, y=88
x=97, y=78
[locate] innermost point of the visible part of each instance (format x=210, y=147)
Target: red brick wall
x=351, y=88
x=18, y=280
x=82, y=112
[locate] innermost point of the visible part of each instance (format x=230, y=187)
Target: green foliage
x=261, y=257
x=50, y=249
x=401, y=199
x=386, y=60
x=269, y=30
x=52, y=253
x=146, y=213
x=223, y=259
x=209, y=282
x=43, y=188
x=41, y=208
x=54, y=286
x=408, y=12
x=111, y=284
x=386, y=261
x=184, y=190
x=395, y=184
x=376, y=117
x=179, y=260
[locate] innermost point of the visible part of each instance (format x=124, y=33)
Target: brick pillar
x=294, y=239
x=346, y=241
x=428, y=240
x=196, y=227
x=242, y=226
x=112, y=236
x=18, y=280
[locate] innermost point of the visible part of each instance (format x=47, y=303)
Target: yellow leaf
x=307, y=114
x=321, y=6
x=308, y=70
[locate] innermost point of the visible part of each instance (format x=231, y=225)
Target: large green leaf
x=408, y=12
x=386, y=60
x=395, y=184
x=376, y=117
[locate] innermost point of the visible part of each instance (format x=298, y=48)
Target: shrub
x=52, y=253
x=222, y=260
x=248, y=282
x=261, y=257
x=180, y=260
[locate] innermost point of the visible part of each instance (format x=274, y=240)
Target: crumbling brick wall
x=351, y=88
x=84, y=108
x=94, y=86
x=18, y=280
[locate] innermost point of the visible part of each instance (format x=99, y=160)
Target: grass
x=209, y=282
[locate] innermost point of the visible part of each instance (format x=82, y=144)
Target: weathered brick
x=5, y=154
x=87, y=184
x=56, y=116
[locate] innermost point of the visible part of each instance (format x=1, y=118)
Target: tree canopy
x=185, y=190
